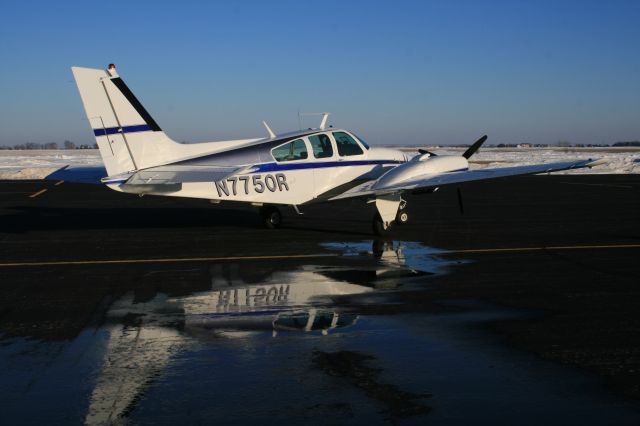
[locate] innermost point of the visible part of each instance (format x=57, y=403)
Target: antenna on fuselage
x=266, y=126
x=323, y=121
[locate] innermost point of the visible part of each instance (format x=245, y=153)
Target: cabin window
x=321, y=145
x=346, y=144
x=292, y=151
x=366, y=145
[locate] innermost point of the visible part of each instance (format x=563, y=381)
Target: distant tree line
x=628, y=143
x=49, y=145
x=519, y=145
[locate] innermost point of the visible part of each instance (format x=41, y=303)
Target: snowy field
x=619, y=160
x=37, y=164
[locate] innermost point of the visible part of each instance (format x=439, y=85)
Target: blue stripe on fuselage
x=124, y=129
x=277, y=167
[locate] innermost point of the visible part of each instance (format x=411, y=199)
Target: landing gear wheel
x=271, y=217
x=379, y=227
x=402, y=217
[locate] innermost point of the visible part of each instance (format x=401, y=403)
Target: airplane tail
x=128, y=137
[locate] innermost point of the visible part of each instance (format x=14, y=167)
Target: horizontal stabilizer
x=172, y=174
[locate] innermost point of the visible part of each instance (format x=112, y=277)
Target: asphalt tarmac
x=538, y=276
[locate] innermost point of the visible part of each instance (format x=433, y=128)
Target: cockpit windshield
x=346, y=144
x=366, y=145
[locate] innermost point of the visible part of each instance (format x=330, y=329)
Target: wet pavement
x=121, y=310
x=255, y=342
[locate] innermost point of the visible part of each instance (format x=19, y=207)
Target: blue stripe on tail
x=125, y=129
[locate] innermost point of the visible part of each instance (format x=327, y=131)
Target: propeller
x=473, y=148
x=460, y=203
x=468, y=153
x=424, y=151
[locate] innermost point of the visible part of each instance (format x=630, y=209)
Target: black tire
x=377, y=248
x=402, y=217
x=271, y=217
x=379, y=227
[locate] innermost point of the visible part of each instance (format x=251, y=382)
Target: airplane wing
x=441, y=179
x=80, y=174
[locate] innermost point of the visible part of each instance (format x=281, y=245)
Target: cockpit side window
x=346, y=144
x=291, y=151
x=321, y=145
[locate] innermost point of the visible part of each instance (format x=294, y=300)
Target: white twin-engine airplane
x=323, y=164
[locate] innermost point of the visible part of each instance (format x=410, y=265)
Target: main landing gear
x=395, y=212
x=382, y=228
x=271, y=217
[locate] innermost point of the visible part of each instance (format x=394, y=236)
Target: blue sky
x=414, y=72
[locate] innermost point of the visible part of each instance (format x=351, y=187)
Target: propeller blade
x=473, y=148
x=460, y=203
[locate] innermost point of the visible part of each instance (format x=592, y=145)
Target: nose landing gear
x=383, y=227
x=402, y=217
x=379, y=226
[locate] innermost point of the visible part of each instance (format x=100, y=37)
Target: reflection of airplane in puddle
x=243, y=299
x=285, y=300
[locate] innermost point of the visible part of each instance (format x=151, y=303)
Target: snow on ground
x=619, y=160
x=37, y=164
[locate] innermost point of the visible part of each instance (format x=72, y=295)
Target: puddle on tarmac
x=287, y=341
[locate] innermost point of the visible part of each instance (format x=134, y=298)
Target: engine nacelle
x=421, y=165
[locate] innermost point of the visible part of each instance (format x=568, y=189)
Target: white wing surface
x=441, y=179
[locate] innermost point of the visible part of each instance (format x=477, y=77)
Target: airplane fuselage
x=289, y=170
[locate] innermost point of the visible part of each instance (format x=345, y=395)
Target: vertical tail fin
x=128, y=137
